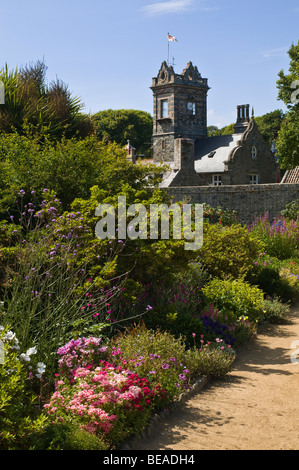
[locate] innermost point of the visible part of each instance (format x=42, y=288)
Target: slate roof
x=211, y=153
x=291, y=176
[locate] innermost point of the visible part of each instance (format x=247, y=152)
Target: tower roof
x=189, y=76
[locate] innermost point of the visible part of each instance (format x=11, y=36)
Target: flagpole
x=167, y=49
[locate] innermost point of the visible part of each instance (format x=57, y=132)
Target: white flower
x=41, y=367
x=31, y=351
x=41, y=364
x=24, y=357
x=9, y=336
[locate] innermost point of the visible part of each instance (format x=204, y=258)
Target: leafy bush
x=276, y=278
x=108, y=401
x=275, y=311
x=219, y=215
x=228, y=251
x=291, y=211
x=280, y=237
x=19, y=421
x=213, y=359
x=156, y=355
x=234, y=298
x=67, y=436
x=176, y=304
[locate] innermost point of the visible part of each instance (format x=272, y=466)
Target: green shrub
x=234, y=298
x=291, y=211
x=276, y=278
x=213, y=359
x=280, y=236
x=156, y=355
x=177, y=303
x=19, y=420
x=219, y=215
x=275, y=311
x=228, y=251
x=67, y=436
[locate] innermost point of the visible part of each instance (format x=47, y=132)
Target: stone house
x=180, y=137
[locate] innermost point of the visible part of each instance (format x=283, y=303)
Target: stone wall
x=250, y=201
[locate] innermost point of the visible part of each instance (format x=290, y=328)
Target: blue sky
x=108, y=51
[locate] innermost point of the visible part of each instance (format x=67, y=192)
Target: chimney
x=242, y=118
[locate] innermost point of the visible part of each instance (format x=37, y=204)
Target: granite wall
x=249, y=201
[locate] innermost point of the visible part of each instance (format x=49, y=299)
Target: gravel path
x=256, y=407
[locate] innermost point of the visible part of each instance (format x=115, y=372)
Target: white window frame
x=164, y=109
x=254, y=178
x=217, y=180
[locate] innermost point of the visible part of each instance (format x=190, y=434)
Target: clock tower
x=180, y=109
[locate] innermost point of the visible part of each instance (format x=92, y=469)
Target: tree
x=125, y=124
x=269, y=124
x=31, y=105
x=288, y=86
x=213, y=131
x=70, y=167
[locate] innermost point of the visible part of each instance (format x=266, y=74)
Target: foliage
x=234, y=298
x=156, y=355
x=212, y=359
x=280, y=237
x=290, y=275
x=125, y=124
x=18, y=420
x=287, y=143
x=275, y=311
x=44, y=110
x=176, y=303
x=291, y=210
x=285, y=80
x=47, y=280
x=107, y=401
x=67, y=436
x=69, y=167
x=228, y=251
x=214, y=215
x=276, y=278
x=270, y=124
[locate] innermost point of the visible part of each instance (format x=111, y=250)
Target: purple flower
x=165, y=366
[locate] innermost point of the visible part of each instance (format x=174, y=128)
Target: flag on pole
x=172, y=38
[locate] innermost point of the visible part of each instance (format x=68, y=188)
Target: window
x=254, y=178
x=253, y=153
x=164, y=108
x=217, y=180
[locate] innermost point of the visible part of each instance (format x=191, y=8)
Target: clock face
x=190, y=106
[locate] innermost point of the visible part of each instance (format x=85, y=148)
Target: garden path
x=256, y=407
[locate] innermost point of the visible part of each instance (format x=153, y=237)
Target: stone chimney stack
x=184, y=162
x=243, y=118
